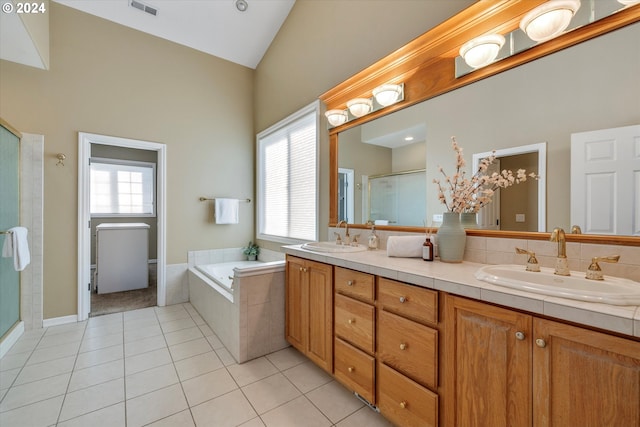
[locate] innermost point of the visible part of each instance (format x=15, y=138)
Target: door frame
x=84, y=216
x=541, y=149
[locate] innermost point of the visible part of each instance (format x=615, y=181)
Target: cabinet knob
x=402, y=300
x=403, y=346
x=350, y=283
x=403, y=404
x=520, y=335
x=351, y=369
x=351, y=321
x=300, y=268
x=541, y=343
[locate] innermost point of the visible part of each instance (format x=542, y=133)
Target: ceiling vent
x=143, y=7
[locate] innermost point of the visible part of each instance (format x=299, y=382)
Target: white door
x=605, y=181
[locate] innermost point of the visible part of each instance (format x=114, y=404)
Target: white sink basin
x=612, y=290
x=332, y=247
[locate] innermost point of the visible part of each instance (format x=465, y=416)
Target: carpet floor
x=117, y=302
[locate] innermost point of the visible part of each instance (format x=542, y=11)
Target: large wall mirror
x=574, y=88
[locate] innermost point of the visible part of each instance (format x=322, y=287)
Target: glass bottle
x=427, y=249
x=373, y=239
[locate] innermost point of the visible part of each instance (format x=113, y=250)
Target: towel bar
x=202, y=199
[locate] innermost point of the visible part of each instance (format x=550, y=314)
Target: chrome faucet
x=347, y=238
x=562, y=265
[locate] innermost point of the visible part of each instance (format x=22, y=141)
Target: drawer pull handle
x=351, y=369
x=402, y=300
x=350, y=283
x=541, y=343
x=520, y=335
x=404, y=404
x=403, y=346
x=351, y=321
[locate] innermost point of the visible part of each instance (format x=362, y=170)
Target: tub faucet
x=562, y=265
x=347, y=238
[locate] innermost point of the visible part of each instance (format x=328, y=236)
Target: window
x=122, y=188
x=287, y=178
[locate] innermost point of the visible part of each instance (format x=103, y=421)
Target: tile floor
x=163, y=366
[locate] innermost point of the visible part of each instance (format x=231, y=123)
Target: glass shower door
x=9, y=217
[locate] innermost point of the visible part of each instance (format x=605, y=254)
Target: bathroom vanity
x=430, y=345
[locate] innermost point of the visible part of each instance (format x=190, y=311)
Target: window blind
x=287, y=175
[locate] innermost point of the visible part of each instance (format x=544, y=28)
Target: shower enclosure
x=9, y=217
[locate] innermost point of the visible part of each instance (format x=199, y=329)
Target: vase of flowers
x=463, y=195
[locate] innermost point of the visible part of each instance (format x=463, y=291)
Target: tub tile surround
x=459, y=278
x=252, y=324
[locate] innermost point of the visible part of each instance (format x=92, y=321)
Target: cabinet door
x=488, y=373
x=320, y=314
x=584, y=378
x=296, y=295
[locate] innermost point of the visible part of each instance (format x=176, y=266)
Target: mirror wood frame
x=426, y=66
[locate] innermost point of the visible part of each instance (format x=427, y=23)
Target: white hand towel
x=17, y=246
x=227, y=211
x=405, y=246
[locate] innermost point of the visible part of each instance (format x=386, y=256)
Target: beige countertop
x=459, y=279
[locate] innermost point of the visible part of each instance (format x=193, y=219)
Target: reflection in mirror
x=520, y=207
x=549, y=99
x=392, y=198
x=378, y=149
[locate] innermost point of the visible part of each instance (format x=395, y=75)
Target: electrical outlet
x=520, y=218
x=437, y=217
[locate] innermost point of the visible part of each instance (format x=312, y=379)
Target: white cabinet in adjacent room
x=122, y=257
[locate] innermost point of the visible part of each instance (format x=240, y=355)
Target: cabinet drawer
x=354, y=283
x=409, y=347
x=354, y=322
x=355, y=369
x=404, y=402
x=411, y=301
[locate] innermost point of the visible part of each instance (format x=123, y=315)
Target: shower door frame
x=84, y=216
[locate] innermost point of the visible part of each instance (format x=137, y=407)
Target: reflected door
x=9, y=217
x=605, y=181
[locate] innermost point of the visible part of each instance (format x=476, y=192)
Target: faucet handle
x=594, y=272
x=532, y=261
x=338, y=238
x=354, y=240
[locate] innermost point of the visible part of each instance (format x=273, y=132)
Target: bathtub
x=241, y=301
x=224, y=273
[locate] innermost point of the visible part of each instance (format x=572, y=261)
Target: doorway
x=487, y=218
x=85, y=141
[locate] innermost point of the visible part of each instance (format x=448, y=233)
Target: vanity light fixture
x=387, y=94
x=337, y=117
x=482, y=50
x=549, y=19
x=360, y=106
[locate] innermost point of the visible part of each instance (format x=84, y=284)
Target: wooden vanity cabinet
x=354, y=329
x=509, y=368
x=309, y=309
x=407, y=353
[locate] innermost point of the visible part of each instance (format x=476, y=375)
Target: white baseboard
x=55, y=321
x=11, y=338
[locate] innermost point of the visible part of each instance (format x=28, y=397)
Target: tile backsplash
x=497, y=250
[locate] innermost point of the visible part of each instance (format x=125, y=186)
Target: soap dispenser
x=373, y=239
